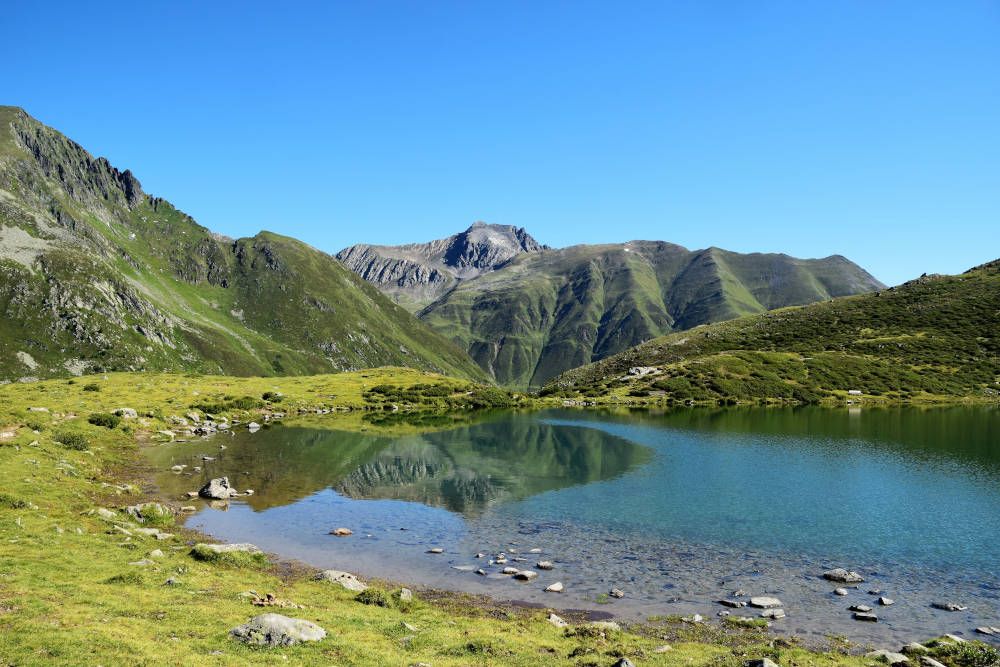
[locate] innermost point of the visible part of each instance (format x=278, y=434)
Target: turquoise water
x=677, y=508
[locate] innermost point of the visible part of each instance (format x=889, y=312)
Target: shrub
x=10, y=502
x=93, y=386
x=237, y=559
x=105, y=419
x=273, y=396
x=130, y=577
x=76, y=441
x=374, y=597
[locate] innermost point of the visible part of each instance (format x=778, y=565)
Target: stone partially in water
x=885, y=602
x=342, y=532
x=735, y=604
x=949, y=606
x=509, y=570
x=765, y=602
x=277, y=630
x=860, y=607
x=554, y=588
x=773, y=613
x=865, y=616
x=843, y=576
x=840, y=591
x=435, y=550
x=616, y=593
x=544, y=565
x=217, y=489
x=526, y=575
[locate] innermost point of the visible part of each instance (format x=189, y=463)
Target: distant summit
x=416, y=274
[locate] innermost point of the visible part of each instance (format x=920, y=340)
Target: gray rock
x=217, y=489
x=949, y=606
x=860, y=607
x=928, y=661
x=624, y=662
x=761, y=662
x=544, y=565
x=616, y=593
x=773, y=613
x=888, y=657
x=526, y=575
x=557, y=621
x=127, y=413
x=557, y=587
x=405, y=595
x=865, y=616
x=988, y=630
x=344, y=579
x=604, y=625
x=228, y=548
x=277, y=630
x=435, y=550
x=840, y=591
x=106, y=514
x=885, y=602
x=765, y=602
x=735, y=604
x=843, y=576
x=913, y=648
x=509, y=570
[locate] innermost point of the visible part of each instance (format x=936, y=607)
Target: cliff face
x=95, y=275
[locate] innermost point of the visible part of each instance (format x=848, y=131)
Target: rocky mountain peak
x=484, y=247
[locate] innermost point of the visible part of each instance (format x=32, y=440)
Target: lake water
x=677, y=509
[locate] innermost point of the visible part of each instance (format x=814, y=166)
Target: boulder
x=761, y=662
x=734, y=604
x=404, y=595
x=526, y=575
x=127, y=413
x=860, y=607
x=843, y=576
x=885, y=602
x=509, y=570
x=544, y=565
x=913, y=648
x=554, y=588
x=217, y=489
x=342, y=532
x=840, y=591
x=616, y=593
x=865, y=616
x=277, y=630
x=344, y=579
x=773, y=613
x=949, y=606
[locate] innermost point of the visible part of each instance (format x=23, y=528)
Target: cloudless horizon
x=810, y=128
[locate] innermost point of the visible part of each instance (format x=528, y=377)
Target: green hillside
x=937, y=336
x=549, y=311
x=96, y=275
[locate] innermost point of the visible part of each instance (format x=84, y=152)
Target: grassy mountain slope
x=97, y=275
x=931, y=337
x=549, y=311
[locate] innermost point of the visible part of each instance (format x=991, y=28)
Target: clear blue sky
x=869, y=129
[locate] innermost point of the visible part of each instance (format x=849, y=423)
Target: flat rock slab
x=345, y=579
x=865, y=616
x=949, y=606
x=765, y=602
x=277, y=630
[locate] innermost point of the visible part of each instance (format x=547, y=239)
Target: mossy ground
x=68, y=594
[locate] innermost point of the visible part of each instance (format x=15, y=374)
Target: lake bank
x=69, y=593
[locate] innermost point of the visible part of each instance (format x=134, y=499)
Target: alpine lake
x=678, y=510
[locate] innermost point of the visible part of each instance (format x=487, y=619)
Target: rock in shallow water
x=277, y=630
x=843, y=576
x=765, y=602
x=554, y=588
x=217, y=489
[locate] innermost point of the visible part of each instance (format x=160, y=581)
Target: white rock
x=277, y=630
x=554, y=588
x=345, y=579
x=765, y=602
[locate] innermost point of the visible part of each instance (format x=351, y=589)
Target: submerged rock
x=277, y=630
x=526, y=575
x=949, y=606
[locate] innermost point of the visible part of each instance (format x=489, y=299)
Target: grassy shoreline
x=69, y=595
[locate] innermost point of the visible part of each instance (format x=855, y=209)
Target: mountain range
x=97, y=275
x=526, y=312
x=930, y=338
